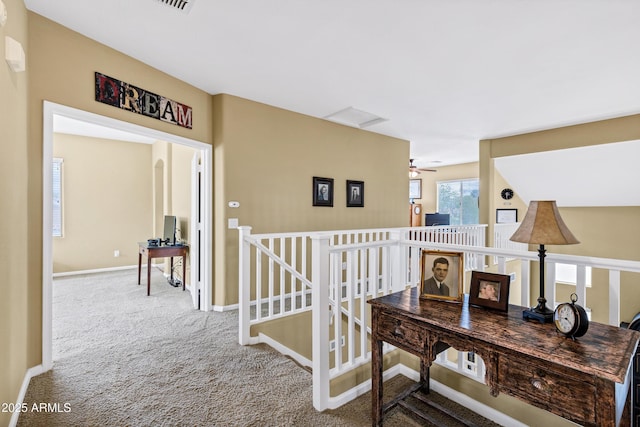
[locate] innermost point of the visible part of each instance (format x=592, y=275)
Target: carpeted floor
x=122, y=358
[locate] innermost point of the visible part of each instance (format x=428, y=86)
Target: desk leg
x=139, y=266
x=149, y=275
x=424, y=376
x=376, y=383
x=184, y=271
x=171, y=272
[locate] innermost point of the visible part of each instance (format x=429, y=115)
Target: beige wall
x=70, y=82
x=430, y=180
x=15, y=310
x=107, y=203
x=176, y=160
x=608, y=232
x=266, y=158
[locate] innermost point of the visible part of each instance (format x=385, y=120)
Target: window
x=57, y=197
x=567, y=274
x=459, y=199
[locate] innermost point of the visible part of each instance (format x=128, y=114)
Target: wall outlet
x=116, y=253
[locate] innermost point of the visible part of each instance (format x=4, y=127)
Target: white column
x=244, y=284
x=320, y=320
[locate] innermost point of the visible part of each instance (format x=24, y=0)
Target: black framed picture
x=355, y=194
x=322, y=191
x=505, y=216
x=489, y=290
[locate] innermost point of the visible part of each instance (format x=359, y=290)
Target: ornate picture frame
x=445, y=267
x=489, y=290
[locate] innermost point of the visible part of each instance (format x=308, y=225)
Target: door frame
x=50, y=110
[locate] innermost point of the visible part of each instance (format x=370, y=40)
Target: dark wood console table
x=161, y=252
x=585, y=381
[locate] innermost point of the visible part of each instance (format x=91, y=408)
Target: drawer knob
x=539, y=384
x=397, y=331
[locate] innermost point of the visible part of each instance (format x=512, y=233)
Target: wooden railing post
x=399, y=261
x=320, y=320
x=244, y=284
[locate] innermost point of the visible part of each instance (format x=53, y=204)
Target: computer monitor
x=433, y=219
x=169, y=235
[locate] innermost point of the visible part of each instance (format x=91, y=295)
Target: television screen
x=436, y=219
x=169, y=235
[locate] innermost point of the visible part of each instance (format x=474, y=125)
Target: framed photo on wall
x=489, y=290
x=506, y=216
x=415, y=188
x=355, y=194
x=441, y=275
x=322, y=191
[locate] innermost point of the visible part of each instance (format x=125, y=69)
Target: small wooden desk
x=161, y=252
x=586, y=380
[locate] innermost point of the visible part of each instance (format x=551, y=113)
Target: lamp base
x=540, y=312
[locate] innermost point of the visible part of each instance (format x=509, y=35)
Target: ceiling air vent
x=181, y=5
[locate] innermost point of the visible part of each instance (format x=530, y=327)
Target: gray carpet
x=122, y=358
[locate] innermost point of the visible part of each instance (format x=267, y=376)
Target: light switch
x=233, y=223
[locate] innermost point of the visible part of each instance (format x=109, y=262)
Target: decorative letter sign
x=132, y=98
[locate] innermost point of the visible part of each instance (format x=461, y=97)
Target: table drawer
x=560, y=393
x=401, y=333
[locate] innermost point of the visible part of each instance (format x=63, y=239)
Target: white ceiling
x=444, y=73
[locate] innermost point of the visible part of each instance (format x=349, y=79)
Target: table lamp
x=542, y=225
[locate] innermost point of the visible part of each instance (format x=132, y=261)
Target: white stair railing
x=349, y=267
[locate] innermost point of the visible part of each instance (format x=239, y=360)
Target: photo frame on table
x=355, y=194
x=322, y=191
x=415, y=188
x=506, y=216
x=444, y=267
x=489, y=290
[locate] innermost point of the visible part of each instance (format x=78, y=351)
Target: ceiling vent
x=181, y=5
x=356, y=118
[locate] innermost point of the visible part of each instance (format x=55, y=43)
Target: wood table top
x=604, y=351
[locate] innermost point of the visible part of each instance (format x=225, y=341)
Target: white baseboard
x=32, y=372
x=300, y=359
x=99, y=270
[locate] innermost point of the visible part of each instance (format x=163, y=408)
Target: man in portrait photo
x=435, y=285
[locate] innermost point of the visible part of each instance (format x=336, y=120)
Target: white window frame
x=451, y=181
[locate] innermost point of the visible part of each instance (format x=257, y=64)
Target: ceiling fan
x=415, y=171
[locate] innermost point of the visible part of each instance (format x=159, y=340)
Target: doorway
x=201, y=281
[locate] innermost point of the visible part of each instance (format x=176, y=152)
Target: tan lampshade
x=543, y=225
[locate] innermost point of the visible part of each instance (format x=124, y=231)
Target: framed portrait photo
x=355, y=194
x=441, y=275
x=322, y=191
x=489, y=290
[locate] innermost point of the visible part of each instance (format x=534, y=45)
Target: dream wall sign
x=132, y=98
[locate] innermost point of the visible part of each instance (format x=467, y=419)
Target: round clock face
x=507, y=193
x=571, y=319
x=565, y=318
